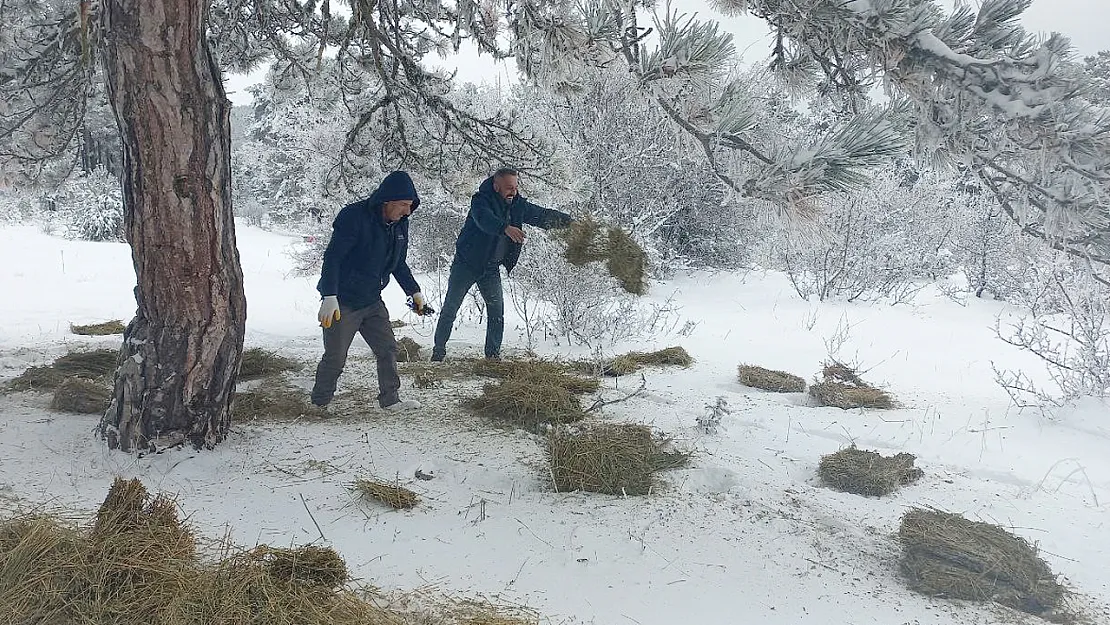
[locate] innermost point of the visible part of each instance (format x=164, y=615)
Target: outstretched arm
x=545, y=218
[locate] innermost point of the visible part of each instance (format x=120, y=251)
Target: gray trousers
x=372, y=323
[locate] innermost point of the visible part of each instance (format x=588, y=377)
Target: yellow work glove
x=418, y=303
x=329, y=311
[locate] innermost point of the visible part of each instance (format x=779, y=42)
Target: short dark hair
x=505, y=171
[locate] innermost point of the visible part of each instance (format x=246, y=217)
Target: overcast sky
x=1086, y=22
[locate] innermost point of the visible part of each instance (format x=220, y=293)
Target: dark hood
x=396, y=186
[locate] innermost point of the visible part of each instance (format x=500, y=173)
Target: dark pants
x=489, y=285
x=373, y=323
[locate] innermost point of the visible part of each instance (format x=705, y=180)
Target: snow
x=746, y=534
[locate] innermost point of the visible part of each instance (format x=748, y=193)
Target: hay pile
x=259, y=363
x=139, y=563
x=81, y=396
x=843, y=388
x=624, y=259
x=866, y=472
x=273, y=402
x=950, y=556
x=392, y=495
x=539, y=372
x=408, y=350
x=96, y=365
x=770, y=379
x=615, y=459
x=526, y=403
x=105, y=328
x=633, y=361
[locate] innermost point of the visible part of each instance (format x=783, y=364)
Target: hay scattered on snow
x=866, y=472
x=844, y=388
x=105, y=328
x=615, y=459
x=139, y=563
x=624, y=259
x=258, y=363
x=392, y=495
x=92, y=365
x=408, y=350
x=397, y=323
x=538, y=372
x=273, y=402
x=633, y=361
x=947, y=555
x=81, y=396
x=523, y=403
x=770, y=379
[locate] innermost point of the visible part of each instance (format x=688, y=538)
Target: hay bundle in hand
x=615, y=459
x=392, y=495
x=105, y=328
x=866, y=472
x=81, y=396
x=97, y=364
x=258, y=363
x=770, y=379
x=634, y=361
x=624, y=259
x=526, y=403
x=408, y=350
x=950, y=556
x=538, y=372
x=844, y=388
x=310, y=565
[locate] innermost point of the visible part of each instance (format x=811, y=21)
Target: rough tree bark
x=181, y=352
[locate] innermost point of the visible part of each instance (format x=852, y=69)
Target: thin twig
x=601, y=403
x=322, y=537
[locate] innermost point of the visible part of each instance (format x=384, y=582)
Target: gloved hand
x=418, y=303
x=329, y=311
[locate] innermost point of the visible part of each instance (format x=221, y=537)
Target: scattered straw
x=272, y=402
x=311, y=565
x=524, y=403
x=105, y=328
x=397, y=323
x=770, y=379
x=634, y=361
x=408, y=350
x=866, y=472
x=81, y=396
x=615, y=459
x=92, y=365
x=258, y=363
x=392, y=495
x=538, y=372
x=844, y=388
x=950, y=556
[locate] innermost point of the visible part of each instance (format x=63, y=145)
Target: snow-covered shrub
x=882, y=242
x=90, y=207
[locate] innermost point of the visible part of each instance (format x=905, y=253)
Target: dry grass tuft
x=311, y=565
x=844, y=388
x=539, y=372
x=392, y=495
x=866, y=472
x=98, y=364
x=408, y=350
x=81, y=396
x=273, y=401
x=259, y=363
x=950, y=556
x=634, y=361
x=106, y=328
x=770, y=379
x=397, y=323
x=615, y=459
x=624, y=259
x=522, y=402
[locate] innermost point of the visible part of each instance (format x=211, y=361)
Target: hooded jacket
x=365, y=250
x=485, y=225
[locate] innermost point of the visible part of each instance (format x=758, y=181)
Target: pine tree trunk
x=181, y=352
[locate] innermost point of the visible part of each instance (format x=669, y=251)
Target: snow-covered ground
x=745, y=535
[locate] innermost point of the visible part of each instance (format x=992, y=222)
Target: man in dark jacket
x=369, y=243
x=490, y=237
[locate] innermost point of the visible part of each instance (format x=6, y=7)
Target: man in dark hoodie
x=491, y=236
x=369, y=243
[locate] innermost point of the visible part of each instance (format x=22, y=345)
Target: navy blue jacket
x=364, y=250
x=485, y=226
